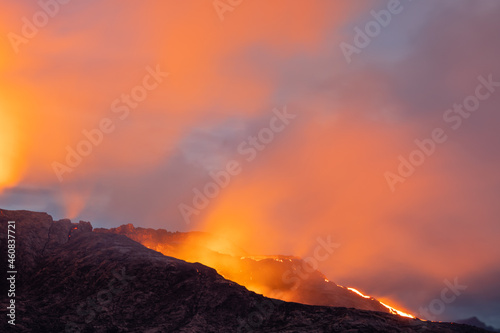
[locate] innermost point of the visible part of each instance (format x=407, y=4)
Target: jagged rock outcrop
x=97, y=282
x=37, y=235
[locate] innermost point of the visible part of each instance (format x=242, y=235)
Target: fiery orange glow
x=281, y=277
x=394, y=311
x=268, y=282
x=359, y=293
x=322, y=175
x=10, y=168
x=391, y=309
x=229, y=263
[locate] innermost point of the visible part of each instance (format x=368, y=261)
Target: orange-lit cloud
x=323, y=175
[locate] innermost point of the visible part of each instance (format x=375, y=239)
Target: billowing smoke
x=358, y=116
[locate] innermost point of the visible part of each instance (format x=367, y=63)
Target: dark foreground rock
x=76, y=280
x=287, y=278
x=474, y=321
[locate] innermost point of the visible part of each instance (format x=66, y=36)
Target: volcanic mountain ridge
x=71, y=279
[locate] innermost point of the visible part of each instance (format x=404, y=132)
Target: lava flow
x=391, y=309
x=287, y=278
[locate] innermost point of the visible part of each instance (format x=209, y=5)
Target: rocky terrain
x=474, y=321
x=71, y=279
x=284, y=277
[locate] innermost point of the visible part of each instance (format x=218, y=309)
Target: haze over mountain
x=72, y=279
x=283, y=277
x=120, y=112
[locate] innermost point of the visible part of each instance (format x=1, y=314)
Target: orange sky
x=322, y=175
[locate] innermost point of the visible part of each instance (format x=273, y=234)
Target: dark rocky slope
x=474, y=321
x=75, y=280
x=284, y=277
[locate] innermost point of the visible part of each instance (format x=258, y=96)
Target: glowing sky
x=324, y=174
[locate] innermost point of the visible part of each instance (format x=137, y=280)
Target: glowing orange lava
x=236, y=268
x=276, y=276
x=391, y=309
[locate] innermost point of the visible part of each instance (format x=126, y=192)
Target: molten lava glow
x=394, y=311
x=231, y=267
x=357, y=292
x=391, y=309
x=232, y=263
